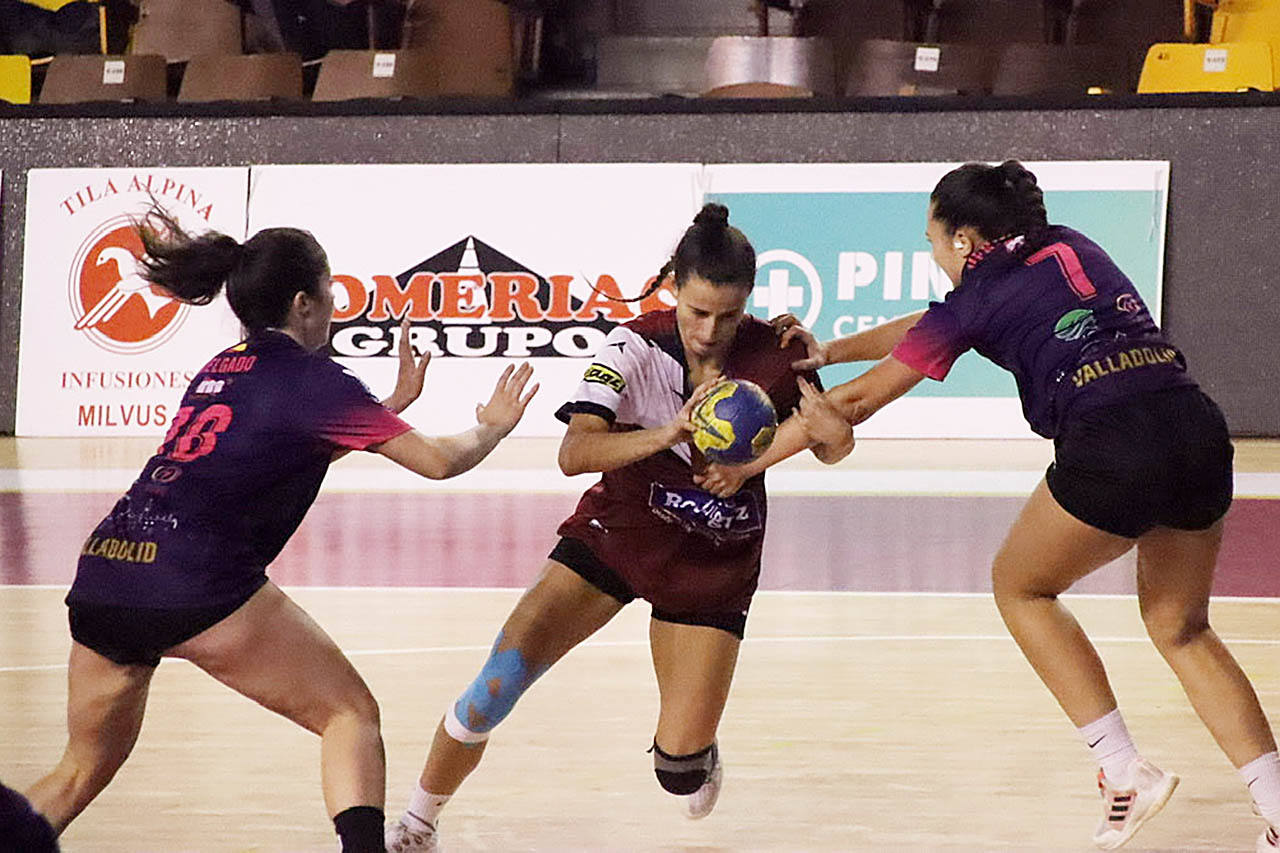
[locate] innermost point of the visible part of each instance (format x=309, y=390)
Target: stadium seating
x=1062, y=70
x=15, y=79
x=181, y=29
x=1234, y=67
x=250, y=77
x=769, y=67
x=471, y=44
x=992, y=22
x=78, y=78
x=1249, y=20
x=879, y=67
x=844, y=23
x=349, y=74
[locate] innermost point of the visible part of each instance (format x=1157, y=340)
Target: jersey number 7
x=1072, y=269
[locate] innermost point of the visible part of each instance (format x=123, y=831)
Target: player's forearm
x=589, y=451
x=787, y=442
x=442, y=457
x=863, y=396
x=873, y=344
x=464, y=451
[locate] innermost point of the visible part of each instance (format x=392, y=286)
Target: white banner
x=101, y=352
x=494, y=264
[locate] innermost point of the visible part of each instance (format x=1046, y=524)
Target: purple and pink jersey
x=1064, y=320
x=679, y=547
x=241, y=464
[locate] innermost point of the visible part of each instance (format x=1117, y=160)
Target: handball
x=734, y=423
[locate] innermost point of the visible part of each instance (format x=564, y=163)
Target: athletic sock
x=424, y=808
x=1109, y=742
x=360, y=828
x=1262, y=776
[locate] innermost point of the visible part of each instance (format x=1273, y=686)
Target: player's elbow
x=569, y=461
x=830, y=454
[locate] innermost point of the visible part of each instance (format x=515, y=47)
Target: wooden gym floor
x=878, y=703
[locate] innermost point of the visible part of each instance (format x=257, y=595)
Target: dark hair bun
x=712, y=216
x=1016, y=176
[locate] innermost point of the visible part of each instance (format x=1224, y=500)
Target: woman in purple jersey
x=178, y=567
x=629, y=421
x=1141, y=456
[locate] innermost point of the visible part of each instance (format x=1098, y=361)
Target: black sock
x=360, y=828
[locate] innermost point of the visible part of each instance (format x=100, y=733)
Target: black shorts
x=576, y=556
x=1160, y=459
x=141, y=635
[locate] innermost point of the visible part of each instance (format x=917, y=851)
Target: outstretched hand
x=722, y=480
x=507, y=405
x=789, y=328
x=411, y=374
x=821, y=420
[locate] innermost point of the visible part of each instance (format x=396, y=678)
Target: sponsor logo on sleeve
x=605, y=375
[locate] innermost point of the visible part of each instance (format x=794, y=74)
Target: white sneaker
x=1125, y=811
x=1269, y=840
x=700, y=803
x=401, y=839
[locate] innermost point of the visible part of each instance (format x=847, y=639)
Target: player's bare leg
x=1045, y=551
x=557, y=613
x=1175, y=577
x=105, y=705
x=694, y=665
x=271, y=651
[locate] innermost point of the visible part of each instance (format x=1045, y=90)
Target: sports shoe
x=1269, y=840
x=401, y=839
x=700, y=803
x=1125, y=811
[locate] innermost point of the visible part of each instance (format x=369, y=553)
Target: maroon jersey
x=240, y=466
x=677, y=546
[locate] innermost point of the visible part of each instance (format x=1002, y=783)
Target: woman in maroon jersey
x=179, y=566
x=1141, y=456
x=645, y=530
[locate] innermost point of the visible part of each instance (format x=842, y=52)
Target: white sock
x=1112, y=748
x=1262, y=775
x=424, y=808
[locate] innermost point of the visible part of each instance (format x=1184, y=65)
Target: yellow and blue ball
x=734, y=423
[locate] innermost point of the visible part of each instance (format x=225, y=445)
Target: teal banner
x=847, y=261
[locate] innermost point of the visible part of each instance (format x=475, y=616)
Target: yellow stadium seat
x=1231, y=67
x=15, y=79
x=51, y=5
x=1249, y=20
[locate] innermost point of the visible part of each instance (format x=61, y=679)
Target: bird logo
x=130, y=283
x=111, y=302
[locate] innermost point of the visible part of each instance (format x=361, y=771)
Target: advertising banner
x=101, y=352
x=842, y=247
x=498, y=264
x=492, y=264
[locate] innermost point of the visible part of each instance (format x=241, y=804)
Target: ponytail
x=997, y=201
x=262, y=275
x=191, y=269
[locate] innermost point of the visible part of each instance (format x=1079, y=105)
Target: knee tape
x=503, y=679
x=683, y=774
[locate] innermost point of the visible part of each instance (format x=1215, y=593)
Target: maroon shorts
x=575, y=555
